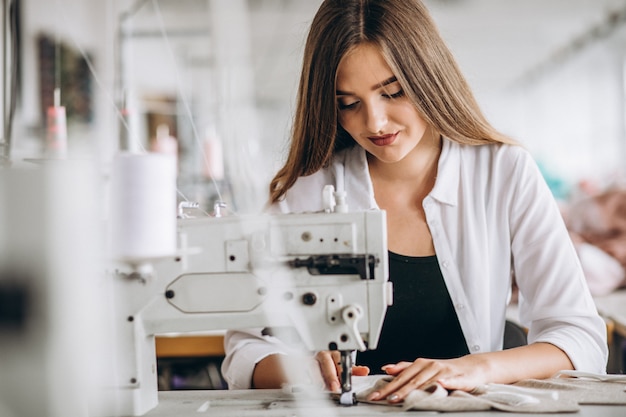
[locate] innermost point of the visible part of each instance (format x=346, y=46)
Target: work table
x=274, y=403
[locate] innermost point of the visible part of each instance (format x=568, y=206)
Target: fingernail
x=334, y=386
x=393, y=397
x=387, y=369
x=373, y=396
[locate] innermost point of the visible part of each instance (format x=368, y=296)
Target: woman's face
x=374, y=109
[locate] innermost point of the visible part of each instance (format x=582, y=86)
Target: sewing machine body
x=321, y=278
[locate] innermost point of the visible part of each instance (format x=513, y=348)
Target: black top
x=421, y=322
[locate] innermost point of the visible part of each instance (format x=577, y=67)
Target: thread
x=213, y=161
x=56, y=130
x=143, y=215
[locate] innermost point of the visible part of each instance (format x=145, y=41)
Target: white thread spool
x=143, y=215
x=213, y=163
x=164, y=142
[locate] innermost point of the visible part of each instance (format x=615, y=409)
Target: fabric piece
x=581, y=390
x=554, y=395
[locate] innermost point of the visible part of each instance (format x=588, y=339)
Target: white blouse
x=491, y=217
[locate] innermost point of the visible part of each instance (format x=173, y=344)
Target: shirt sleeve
x=244, y=349
x=555, y=302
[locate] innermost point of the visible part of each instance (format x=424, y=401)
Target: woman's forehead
x=363, y=63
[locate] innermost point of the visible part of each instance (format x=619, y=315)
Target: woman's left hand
x=537, y=360
x=465, y=373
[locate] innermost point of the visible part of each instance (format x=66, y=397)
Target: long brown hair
x=419, y=58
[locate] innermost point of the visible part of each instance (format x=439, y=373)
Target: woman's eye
x=347, y=106
x=394, y=95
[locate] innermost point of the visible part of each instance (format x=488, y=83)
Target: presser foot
x=348, y=398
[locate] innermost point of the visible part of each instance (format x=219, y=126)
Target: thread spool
x=143, y=214
x=213, y=163
x=56, y=129
x=164, y=142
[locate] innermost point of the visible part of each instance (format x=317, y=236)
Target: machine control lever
x=362, y=265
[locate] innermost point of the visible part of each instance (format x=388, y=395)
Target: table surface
x=274, y=403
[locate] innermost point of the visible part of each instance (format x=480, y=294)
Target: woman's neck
x=420, y=165
x=400, y=189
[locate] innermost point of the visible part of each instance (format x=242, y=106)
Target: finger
x=457, y=383
x=402, y=371
x=359, y=370
x=395, y=369
x=417, y=375
x=328, y=368
x=337, y=360
x=429, y=374
x=420, y=381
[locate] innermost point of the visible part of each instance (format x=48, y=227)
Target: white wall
x=571, y=114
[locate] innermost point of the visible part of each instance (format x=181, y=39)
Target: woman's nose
x=375, y=118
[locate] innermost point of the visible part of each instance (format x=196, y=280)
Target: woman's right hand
x=330, y=368
x=275, y=370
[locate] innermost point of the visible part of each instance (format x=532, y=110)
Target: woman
x=384, y=113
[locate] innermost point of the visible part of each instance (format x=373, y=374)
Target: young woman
x=384, y=113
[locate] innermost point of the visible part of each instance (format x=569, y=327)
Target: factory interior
x=94, y=235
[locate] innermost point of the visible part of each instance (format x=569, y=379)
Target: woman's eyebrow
x=388, y=81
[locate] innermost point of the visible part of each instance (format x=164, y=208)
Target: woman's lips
x=383, y=140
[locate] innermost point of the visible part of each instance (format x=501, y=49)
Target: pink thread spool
x=56, y=131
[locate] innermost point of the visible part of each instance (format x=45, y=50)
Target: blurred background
x=214, y=82
x=222, y=76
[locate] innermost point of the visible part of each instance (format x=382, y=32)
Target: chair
x=514, y=335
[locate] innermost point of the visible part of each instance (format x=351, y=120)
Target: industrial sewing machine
x=322, y=275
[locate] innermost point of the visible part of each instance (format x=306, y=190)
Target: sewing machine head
x=320, y=278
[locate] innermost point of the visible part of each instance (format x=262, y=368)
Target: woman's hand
x=537, y=360
x=464, y=373
x=275, y=370
x=330, y=367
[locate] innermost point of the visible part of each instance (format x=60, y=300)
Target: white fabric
x=491, y=215
x=435, y=397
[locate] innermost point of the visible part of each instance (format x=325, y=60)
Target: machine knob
x=309, y=299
